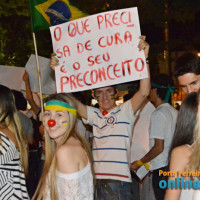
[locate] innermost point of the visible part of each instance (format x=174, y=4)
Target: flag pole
x=39, y=75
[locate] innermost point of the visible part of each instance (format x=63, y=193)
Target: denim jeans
x=113, y=190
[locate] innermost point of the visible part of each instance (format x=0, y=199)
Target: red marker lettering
x=117, y=38
x=107, y=20
x=84, y=78
x=87, y=26
x=79, y=80
x=72, y=82
x=108, y=72
x=97, y=59
x=94, y=71
x=100, y=19
x=102, y=73
x=100, y=42
x=57, y=33
x=116, y=70
x=127, y=36
x=63, y=81
x=136, y=64
x=59, y=53
x=76, y=65
x=115, y=18
x=109, y=43
x=88, y=45
x=80, y=47
x=90, y=60
x=108, y=57
x=122, y=17
x=72, y=29
x=66, y=50
x=128, y=65
x=62, y=69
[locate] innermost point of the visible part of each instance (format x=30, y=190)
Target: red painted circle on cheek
x=51, y=123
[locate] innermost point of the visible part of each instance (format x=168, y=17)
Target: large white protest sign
x=98, y=50
x=11, y=76
x=47, y=75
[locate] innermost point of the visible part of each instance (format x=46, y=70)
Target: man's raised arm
x=144, y=89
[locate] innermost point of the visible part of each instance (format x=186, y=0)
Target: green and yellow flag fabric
x=45, y=13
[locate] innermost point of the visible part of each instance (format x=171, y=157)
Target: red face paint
x=51, y=123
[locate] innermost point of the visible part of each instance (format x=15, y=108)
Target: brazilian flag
x=45, y=13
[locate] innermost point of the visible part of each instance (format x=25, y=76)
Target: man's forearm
x=154, y=152
x=145, y=84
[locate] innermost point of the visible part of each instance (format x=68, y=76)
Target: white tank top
x=187, y=194
x=78, y=185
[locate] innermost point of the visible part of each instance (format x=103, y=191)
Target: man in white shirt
x=162, y=126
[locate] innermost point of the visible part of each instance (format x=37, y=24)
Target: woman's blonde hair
x=49, y=170
x=194, y=163
x=9, y=119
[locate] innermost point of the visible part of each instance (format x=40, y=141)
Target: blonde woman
x=67, y=170
x=13, y=150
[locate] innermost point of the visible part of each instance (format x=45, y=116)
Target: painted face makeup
x=97, y=98
x=112, y=96
x=64, y=123
x=106, y=98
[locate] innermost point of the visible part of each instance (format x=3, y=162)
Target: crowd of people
x=64, y=165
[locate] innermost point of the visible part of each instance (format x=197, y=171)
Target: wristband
x=147, y=60
x=140, y=163
x=146, y=165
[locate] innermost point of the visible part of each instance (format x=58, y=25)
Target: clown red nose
x=51, y=123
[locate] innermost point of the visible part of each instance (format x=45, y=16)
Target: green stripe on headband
x=169, y=91
x=60, y=106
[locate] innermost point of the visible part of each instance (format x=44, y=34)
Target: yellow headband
x=60, y=106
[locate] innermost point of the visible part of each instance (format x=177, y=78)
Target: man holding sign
x=98, y=52
x=112, y=128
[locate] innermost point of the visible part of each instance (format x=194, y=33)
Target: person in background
x=162, y=126
x=177, y=106
x=67, y=172
x=21, y=105
x=13, y=150
x=29, y=96
x=181, y=148
x=187, y=72
x=142, y=189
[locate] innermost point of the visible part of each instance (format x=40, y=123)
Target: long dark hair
x=185, y=121
x=9, y=119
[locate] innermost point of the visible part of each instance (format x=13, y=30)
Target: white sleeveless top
x=75, y=186
x=196, y=195
x=187, y=194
